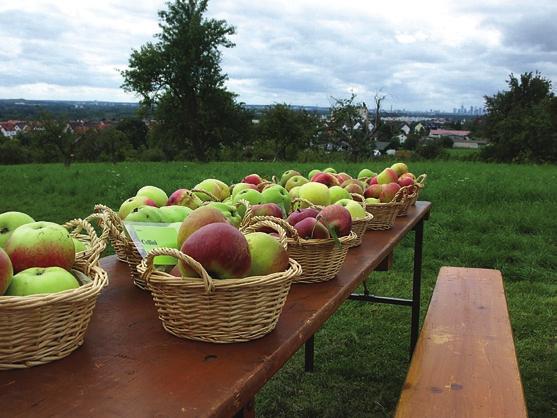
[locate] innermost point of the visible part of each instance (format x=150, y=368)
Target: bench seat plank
x=465, y=362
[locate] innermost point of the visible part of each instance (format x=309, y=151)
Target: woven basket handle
x=420, y=181
x=115, y=224
x=275, y=180
x=288, y=229
x=300, y=200
x=100, y=219
x=270, y=223
x=248, y=214
x=400, y=196
x=206, y=193
x=97, y=246
x=148, y=265
x=359, y=198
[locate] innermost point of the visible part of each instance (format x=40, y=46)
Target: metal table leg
x=309, y=354
x=416, y=285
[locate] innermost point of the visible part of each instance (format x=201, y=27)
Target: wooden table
x=130, y=367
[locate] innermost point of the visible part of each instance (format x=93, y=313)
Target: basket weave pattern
x=221, y=311
x=359, y=227
x=38, y=329
x=420, y=184
x=384, y=214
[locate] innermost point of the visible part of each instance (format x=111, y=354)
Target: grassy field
x=484, y=215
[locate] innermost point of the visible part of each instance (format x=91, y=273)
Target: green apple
x=175, y=213
x=287, y=175
x=295, y=181
x=79, y=245
x=216, y=187
x=9, y=221
x=313, y=173
x=337, y=193
x=242, y=186
x=252, y=196
x=372, y=201
x=267, y=254
x=316, y=193
x=37, y=280
x=366, y=173
x=145, y=214
x=230, y=212
x=294, y=192
x=356, y=210
x=330, y=170
x=184, y=197
x=133, y=203
x=279, y=195
x=157, y=195
x=400, y=168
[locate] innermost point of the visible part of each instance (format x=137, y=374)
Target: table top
x=129, y=366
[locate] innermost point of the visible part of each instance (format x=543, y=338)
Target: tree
x=521, y=123
x=135, y=130
x=53, y=141
x=180, y=77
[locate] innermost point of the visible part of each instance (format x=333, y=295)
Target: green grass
x=484, y=215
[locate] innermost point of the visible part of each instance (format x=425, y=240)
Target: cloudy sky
x=428, y=54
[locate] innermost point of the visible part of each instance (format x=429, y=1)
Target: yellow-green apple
x=313, y=173
x=145, y=214
x=388, y=192
x=175, y=213
x=366, y=173
x=294, y=192
x=373, y=191
x=387, y=176
x=316, y=193
x=254, y=179
x=40, y=244
x=38, y=280
x=156, y=194
x=241, y=186
x=409, y=175
x=6, y=271
x=220, y=248
x=279, y=195
x=287, y=175
x=328, y=179
x=184, y=197
x=79, y=245
x=295, y=181
x=268, y=209
x=372, y=201
x=356, y=210
x=301, y=214
x=252, y=196
x=337, y=193
x=404, y=181
x=342, y=177
x=229, y=211
x=267, y=254
x=9, y=221
x=336, y=218
x=216, y=187
x=311, y=228
x=200, y=217
x=330, y=170
x=400, y=168
x=133, y=203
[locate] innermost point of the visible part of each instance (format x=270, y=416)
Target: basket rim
x=369, y=217
x=347, y=239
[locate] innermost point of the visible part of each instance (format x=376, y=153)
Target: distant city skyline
x=428, y=55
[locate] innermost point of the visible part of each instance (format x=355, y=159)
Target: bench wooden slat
x=465, y=362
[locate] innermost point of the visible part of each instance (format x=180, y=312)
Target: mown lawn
x=484, y=215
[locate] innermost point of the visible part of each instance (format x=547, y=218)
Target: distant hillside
x=71, y=110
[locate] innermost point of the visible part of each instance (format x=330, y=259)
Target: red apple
x=40, y=244
x=327, y=179
x=388, y=192
x=221, y=249
x=6, y=271
x=200, y=217
x=301, y=214
x=405, y=181
x=373, y=180
x=311, y=228
x=342, y=177
x=354, y=188
x=373, y=191
x=184, y=197
x=338, y=218
x=267, y=209
x=387, y=176
x=254, y=179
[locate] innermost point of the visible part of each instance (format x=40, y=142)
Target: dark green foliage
x=522, y=122
x=135, y=130
x=180, y=77
x=430, y=149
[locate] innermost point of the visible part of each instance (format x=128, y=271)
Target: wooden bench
x=465, y=363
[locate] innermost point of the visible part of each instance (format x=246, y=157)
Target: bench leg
x=309, y=354
x=416, y=285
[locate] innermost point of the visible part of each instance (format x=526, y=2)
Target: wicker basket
x=384, y=214
x=321, y=259
x=420, y=184
x=83, y=231
x=221, y=311
x=359, y=226
x=38, y=329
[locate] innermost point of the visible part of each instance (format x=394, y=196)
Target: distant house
x=406, y=129
x=402, y=137
x=10, y=128
x=419, y=128
x=455, y=135
x=470, y=144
